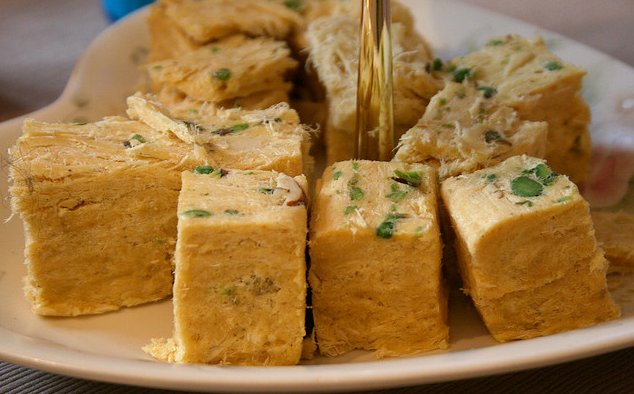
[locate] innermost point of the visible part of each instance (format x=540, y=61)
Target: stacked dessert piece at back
x=204, y=51
x=334, y=49
x=527, y=77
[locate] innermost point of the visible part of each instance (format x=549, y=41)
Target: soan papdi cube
x=465, y=128
x=235, y=66
x=206, y=20
x=98, y=203
x=375, y=260
x=239, y=291
x=167, y=40
x=270, y=139
x=526, y=250
x=334, y=48
x=526, y=76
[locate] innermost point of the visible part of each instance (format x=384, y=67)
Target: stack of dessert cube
x=202, y=192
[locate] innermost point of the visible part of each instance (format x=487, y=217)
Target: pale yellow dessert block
x=540, y=87
x=178, y=100
x=465, y=129
x=207, y=20
x=270, y=139
x=578, y=299
x=615, y=233
x=375, y=260
x=98, y=203
x=524, y=234
x=571, y=156
x=311, y=10
x=240, y=288
x=167, y=40
x=236, y=66
x=334, y=48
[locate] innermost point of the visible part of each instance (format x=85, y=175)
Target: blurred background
x=41, y=40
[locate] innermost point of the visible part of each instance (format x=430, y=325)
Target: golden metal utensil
x=375, y=112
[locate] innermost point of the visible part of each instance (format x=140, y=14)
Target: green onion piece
x=356, y=193
x=231, y=129
x=336, y=174
x=545, y=174
x=355, y=166
x=293, y=4
x=396, y=215
x=436, y=64
x=385, y=230
x=487, y=91
x=495, y=42
x=203, y=170
x=349, y=209
x=412, y=178
x=396, y=194
x=232, y=212
x=222, y=74
x=461, y=74
x=564, y=199
x=138, y=137
x=239, y=127
x=553, y=66
x=492, y=136
x=490, y=178
x=524, y=186
x=266, y=190
x=195, y=213
x=442, y=102
x=192, y=126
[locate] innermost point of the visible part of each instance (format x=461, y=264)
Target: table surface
x=40, y=41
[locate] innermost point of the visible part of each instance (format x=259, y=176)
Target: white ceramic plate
x=108, y=347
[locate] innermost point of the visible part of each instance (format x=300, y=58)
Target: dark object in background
x=116, y=9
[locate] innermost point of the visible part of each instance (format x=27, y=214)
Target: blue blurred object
x=116, y=9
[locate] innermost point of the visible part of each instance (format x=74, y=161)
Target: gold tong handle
x=375, y=109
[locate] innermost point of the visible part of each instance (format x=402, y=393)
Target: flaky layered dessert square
x=236, y=66
x=526, y=250
x=240, y=289
x=375, y=260
x=269, y=139
x=528, y=77
x=207, y=20
x=466, y=128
